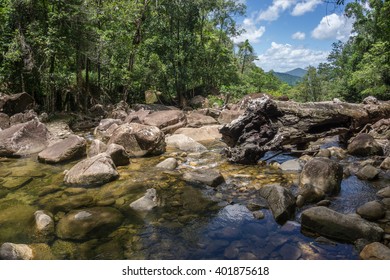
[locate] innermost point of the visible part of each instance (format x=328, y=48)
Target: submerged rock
x=169, y=164
x=11, y=251
x=44, y=222
x=92, y=171
x=71, y=148
x=280, y=200
x=339, y=226
x=208, y=177
x=147, y=202
x=364, y=145
x=89, y=223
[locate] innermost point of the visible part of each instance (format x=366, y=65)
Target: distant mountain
x=299, y=72
x=291, y=77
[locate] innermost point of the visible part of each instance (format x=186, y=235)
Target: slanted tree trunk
x=270, y=125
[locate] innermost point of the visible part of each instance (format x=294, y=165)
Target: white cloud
x=299, y=36
x=285, y=57
x=252, y=32
x=305, y=6
x=273, y=12
x=333, y=27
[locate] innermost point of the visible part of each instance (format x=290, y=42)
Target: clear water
x=190, y=222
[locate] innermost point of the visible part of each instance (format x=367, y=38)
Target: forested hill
x=72, y=54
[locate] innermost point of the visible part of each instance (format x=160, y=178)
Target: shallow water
x=191, y=222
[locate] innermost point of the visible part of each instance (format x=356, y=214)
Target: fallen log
x=268, y=125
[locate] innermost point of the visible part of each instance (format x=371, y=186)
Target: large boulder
x=71, y=148
x=96, y=170
x=280, y=200
x=167, y=121
x=105, y=128
x=339, y=226
x=96, y=147
x=147, y=202
x=227, y=116
x=16, y=103
x=24, y=139
x=322, y=177
x=201, y=134
x=375, y=251
x=4, y=121
x=89, y=223
x=199, y=120
x=118, y=154
x=364, y=145
x=139, y=140
x=184, y=143
x=23, y=117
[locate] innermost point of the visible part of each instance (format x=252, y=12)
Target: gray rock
x=201, y=134
x=11, y=251
x=371, y=211
x=92, y=171
x=364, y=145
x=167, y=121
x=198, y=101
x=280, y=200
x=44, y=222
x=234, y=214
x=139, y=140
x=324, y=153
x=4, y=121
x=147, y=202
x=227, y=116
x=291, y=165
x=385, y=192
x=184, y=143
x=208, y=177
x=339, y=226
x=385, y=164
x=102, y=131
x=375, y=251
x=96, y=148
x=137, y=116
x=199, y=120
x=118, y=154
x=320, y=176
x=169, y=164
x=89, y=223
x=24, y=139
x=71, y=148
x=368, y=172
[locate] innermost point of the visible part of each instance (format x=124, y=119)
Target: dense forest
x=72, y=54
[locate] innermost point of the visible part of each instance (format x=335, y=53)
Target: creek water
x=191, y=222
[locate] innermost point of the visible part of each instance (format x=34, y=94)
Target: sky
x=287, y=34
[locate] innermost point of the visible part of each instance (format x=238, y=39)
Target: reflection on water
x=189, y=223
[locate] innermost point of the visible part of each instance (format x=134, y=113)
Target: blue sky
x=287, y=34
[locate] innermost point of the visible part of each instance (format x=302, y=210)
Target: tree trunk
x=270, y=125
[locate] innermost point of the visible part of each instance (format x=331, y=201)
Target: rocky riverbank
x=151, y=182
